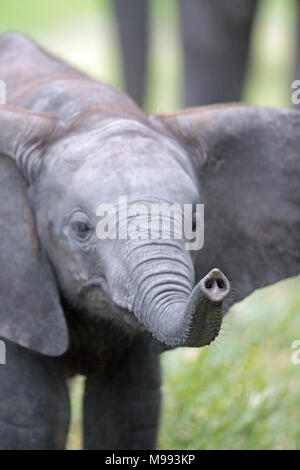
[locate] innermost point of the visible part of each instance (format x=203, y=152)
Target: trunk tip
x=215, y=285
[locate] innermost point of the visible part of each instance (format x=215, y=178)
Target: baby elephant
x=75, y=300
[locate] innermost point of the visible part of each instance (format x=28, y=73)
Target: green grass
x=242, y=391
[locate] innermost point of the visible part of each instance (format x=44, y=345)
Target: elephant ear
x=30, y=310
x=247, y=164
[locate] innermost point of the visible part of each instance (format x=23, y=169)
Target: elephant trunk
x=185, y=320
x=165, y=301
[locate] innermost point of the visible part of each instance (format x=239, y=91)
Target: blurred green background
x=242, y=391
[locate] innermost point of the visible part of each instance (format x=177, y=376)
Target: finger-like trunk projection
x=108, y=307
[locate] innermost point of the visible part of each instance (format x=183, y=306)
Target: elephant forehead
x=120, y=142
x=136, y=176
x=132, y=160
x=133, y=148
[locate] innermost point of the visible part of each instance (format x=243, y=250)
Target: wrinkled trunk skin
x=156, y=283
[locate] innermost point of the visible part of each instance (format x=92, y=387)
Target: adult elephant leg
x=132, y=19
x=215, y=37
x=121, y=407
x=34, y=401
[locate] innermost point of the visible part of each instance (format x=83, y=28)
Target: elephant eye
x=81, y=229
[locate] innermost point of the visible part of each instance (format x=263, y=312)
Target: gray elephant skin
x=72, y=303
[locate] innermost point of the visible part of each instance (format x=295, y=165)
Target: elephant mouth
x=97, y=282
x=96, y=297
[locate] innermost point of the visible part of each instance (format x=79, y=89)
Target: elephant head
x=243, y=163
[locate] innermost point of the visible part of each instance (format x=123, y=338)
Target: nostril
x=215, y=286
x=220, y=283
x=209, y=284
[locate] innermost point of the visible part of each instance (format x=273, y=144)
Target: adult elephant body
x=215, y=38
x=72, y=302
